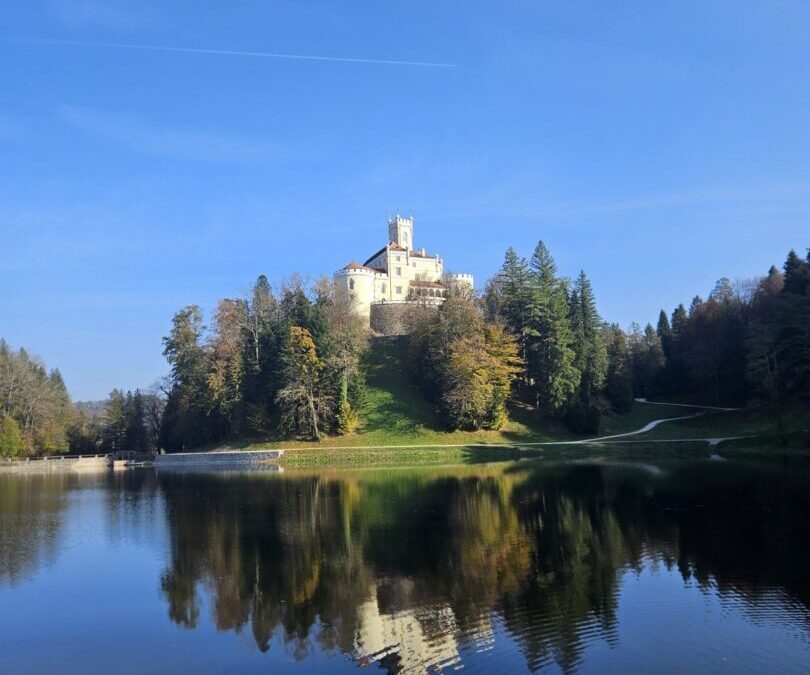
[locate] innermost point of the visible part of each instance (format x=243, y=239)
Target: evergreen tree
x=793, y=334
x=114, y=429
x=186, y=421
x=591, y=356
x=589, y=348
x=550, y=357
x=664, y=332
x=513, y=281
x=619, y=379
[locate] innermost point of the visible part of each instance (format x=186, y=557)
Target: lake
x=594, y=567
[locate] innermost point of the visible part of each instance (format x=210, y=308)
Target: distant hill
x=91, y=408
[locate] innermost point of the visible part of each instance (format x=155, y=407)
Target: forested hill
x=292, y=363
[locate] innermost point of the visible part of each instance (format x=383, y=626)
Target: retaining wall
x=59, y=464
x=232, y=459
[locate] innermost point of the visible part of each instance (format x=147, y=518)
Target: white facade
x=399, y=273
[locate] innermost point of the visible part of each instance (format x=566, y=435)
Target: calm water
x=682, y=566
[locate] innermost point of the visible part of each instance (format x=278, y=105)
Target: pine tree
x=513, y=281
x=664, y=333
x=114, y=429
x=591, y=356
x=186, y=420
x=619, y=380
x=793, y=318
x=550, y=357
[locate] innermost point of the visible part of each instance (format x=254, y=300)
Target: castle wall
x=389, y=318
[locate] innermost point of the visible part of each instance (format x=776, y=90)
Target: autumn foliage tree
x=466, y=365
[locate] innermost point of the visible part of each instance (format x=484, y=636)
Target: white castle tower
x=400, y=231
x=395, y=276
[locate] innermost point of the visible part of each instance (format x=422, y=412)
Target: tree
x=513, y=282
x=619, y=380
x=114, y=425
x=36, y=398
x=664, y=332
x=11, y=440
x=345, y=337
x=465, y=364
x=793, y=334
x=227, y=365
x=591, y=357
x=550, y=357
x=647, y=359
x=301, y=394
x=589, y=348
x=186, y=421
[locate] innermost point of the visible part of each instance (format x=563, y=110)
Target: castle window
x=382, y=288
x=351, y=284
x=399, y=271
x=399, y=290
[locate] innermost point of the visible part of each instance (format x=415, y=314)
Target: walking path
x=613, y=438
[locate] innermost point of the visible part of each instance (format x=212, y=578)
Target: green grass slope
x=396, y=415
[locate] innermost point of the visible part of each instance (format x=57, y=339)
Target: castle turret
x=457, y=280
x=400, y=230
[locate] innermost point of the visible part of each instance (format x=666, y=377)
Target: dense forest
x=37, y=416
x=291, y=363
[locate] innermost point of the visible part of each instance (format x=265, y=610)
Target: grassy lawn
x=396, y=415
x=746, y=422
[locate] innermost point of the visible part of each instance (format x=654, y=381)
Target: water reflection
x=420, y=570
x=30, y=513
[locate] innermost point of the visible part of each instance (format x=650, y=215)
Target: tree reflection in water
x=411, y=567
x=30, y=512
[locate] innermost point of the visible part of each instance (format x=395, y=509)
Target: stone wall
x=58, y=464
x=393, y=318
x=230, y=460
x=390, y=318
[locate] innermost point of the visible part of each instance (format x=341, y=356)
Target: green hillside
x=396, y=414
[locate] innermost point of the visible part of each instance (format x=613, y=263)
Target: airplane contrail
x=228, y=52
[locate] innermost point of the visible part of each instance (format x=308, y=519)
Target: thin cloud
x=231, y=52
x=177, y=143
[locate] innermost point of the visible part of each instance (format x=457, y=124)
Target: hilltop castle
x=396, y=276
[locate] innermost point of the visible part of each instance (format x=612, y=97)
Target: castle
x=396, y=276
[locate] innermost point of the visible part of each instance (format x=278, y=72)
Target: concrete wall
x=214, y=460
x=57, y=465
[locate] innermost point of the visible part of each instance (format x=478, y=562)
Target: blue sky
x=657, y=145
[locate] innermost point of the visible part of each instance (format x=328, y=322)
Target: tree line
x=567, y=371
x=268, y=366
x=37, y=416
x=291, y=363
x=747, y=343
x=35, y=408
